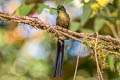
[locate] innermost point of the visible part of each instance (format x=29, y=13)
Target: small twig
x=88, y=35
x=100, y=77
x=84, y=35
x=110, y=45
x=72, y=37
x=111, y=52
x=78, y=57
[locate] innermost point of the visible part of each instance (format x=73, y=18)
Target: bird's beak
x=54, y=8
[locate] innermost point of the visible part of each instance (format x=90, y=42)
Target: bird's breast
x=63, y=20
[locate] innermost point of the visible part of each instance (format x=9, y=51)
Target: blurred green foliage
x=24, y=9
x=86, y=13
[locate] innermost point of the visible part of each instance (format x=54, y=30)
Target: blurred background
x=28, y=53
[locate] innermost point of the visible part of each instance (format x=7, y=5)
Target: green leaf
x=40, y=7
x=24, y=9
x=86, y=13
x=98, y=24
x=111, y=61
x=74, y=26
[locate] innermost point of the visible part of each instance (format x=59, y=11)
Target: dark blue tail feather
x=59, y=58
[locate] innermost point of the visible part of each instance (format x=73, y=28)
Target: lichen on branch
x=105, y=43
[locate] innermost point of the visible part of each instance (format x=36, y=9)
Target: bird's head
x=60, y=8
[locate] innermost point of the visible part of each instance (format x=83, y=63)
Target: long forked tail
x=59, y=58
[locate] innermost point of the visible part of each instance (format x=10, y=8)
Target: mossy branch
x=105, y=43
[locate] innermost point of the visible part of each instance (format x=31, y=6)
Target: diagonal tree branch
x=106, y=41
x=35, y=22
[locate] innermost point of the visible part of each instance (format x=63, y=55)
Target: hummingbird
x=63, y=21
